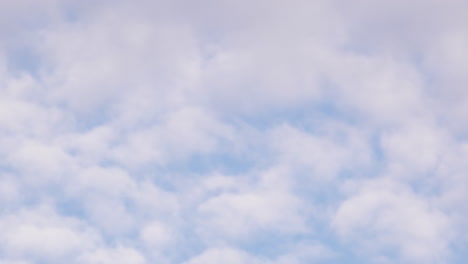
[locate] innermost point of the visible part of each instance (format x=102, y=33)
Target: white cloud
x=42, y=234
x=47, y=241
x=113, y=182
x=118, y=255
x=323, y=153
x=95, y=60
x=14, y=262
x=179, y=135
x=268, y=207
x=157, y=235
x=40, y=163
x=418, y=147
x=153, y=201
x=383, y=216
x=240, y=215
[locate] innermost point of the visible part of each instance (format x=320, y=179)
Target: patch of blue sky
x=458, y=252
x=191, y=244
x=224, y=162
x=272, y=245
x=70, y=206
x=299, y=115
x=23, y=59
x=197, y=166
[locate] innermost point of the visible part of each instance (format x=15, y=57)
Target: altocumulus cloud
x=275, y=132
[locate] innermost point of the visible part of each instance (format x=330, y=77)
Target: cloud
x=240, y=215
x=225, y=255
x=42, y=234
x=181, y=134
x=113, y=255
x=322, y=153
x=156, y=235
x=384, y=216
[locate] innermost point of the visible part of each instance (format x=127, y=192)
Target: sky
x=233, y=131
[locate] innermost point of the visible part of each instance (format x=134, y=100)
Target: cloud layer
x=233, y=132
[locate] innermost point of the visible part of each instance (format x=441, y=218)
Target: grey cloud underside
x=276, y=132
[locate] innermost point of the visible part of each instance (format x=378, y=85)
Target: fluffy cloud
x=42, y=234
x=386, y=217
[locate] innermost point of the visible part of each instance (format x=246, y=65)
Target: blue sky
x=234, y=132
